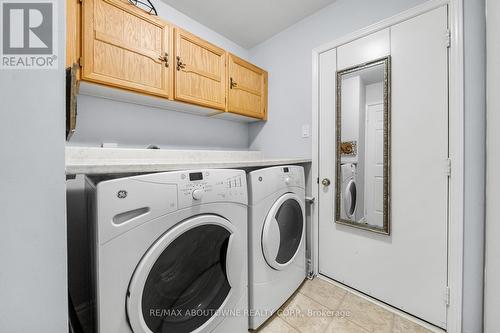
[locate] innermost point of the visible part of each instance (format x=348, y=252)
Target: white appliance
x=170, y=252
x=276, y=238
x=348, y=193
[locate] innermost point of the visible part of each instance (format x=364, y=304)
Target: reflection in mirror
x=363, y=150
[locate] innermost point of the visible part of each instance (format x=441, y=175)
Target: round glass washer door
x=283, y=230
x=187, y=278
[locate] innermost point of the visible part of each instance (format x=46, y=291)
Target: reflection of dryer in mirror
x=348, y=192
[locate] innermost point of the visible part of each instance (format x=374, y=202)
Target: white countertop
x=92, y=160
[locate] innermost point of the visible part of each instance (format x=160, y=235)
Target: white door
x=374, y=167
x=407, y=269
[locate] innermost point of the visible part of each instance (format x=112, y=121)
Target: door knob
x=325, y=182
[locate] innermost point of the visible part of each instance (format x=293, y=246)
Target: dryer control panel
x=264, y=182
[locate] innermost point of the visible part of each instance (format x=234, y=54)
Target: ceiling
x=248, y=22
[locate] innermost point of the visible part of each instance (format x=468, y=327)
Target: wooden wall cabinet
x=247, y=88
x=200, y=71
x=73, y=32
x=118, y=45
x=126, y=47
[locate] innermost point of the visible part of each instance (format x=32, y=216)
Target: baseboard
x=385, y=306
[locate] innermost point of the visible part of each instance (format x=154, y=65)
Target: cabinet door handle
x=325, y=182
x=232, y=83
x=180, y=64
x=164, y=59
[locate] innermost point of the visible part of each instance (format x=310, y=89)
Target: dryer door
x=187, y=276
x=283, y=231
x=350, y=196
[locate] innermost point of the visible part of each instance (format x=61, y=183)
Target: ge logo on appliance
x=28, y=35
x=122, y=194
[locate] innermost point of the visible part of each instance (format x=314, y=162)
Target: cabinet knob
x=180, y=64
x=164, y=59
x=232, y=83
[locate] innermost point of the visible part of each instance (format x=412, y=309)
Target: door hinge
x=447, y=38
x=448, y=167
x=80, y=62
x=447, y=296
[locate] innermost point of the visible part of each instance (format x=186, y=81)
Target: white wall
x=492, y=291
x=101, y=120
x=474, y=209
x=33, y=277
x=130, y=125
x=287, y=56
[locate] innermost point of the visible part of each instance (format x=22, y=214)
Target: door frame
x=456, y=144
x=366, y=145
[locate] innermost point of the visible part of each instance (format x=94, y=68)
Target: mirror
x=363, y=146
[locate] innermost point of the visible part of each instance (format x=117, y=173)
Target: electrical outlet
x=306, y=131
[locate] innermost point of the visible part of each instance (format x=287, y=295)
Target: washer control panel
x=212, y=186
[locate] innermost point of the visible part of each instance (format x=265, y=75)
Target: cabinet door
x=73, y=30
x=247, y=92
x=200, y=71
x=126, y=47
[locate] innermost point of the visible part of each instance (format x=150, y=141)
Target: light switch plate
x=306, y=131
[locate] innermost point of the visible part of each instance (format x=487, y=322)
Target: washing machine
x=348, y=193
x=277, y=263
x=170, y=252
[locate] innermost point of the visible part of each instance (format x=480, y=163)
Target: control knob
x=197, y=194
x=287, y=180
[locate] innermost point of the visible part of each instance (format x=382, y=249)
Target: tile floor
x=320, y=306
